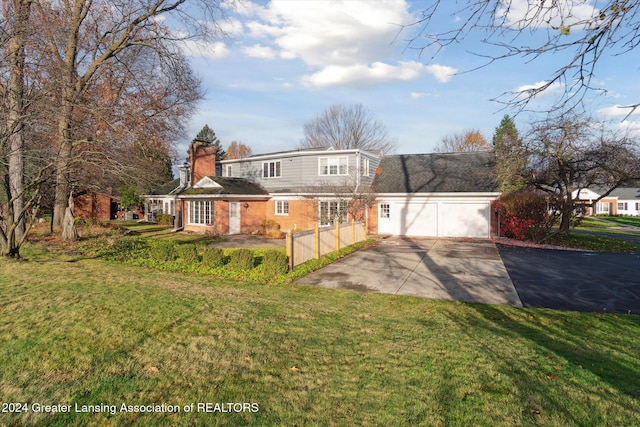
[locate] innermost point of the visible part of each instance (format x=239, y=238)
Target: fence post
x=289, y=245
x=337, y=235
x=316, y=242
x=353, y=231
x=364, y=230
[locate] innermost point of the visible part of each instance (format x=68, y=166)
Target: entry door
x=234, y=218
x=384, y=218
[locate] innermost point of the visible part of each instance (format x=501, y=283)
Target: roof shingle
x=437, y=173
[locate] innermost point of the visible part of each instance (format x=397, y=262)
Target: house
x=436, y=195
x=432, y=195
x=95, y=205
x=164, y=199
x=621, y=201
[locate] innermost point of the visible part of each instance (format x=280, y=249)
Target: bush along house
x=430, y=195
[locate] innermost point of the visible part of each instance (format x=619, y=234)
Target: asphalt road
x=574, y=280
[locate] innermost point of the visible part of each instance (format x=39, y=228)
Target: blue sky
x=285, y=61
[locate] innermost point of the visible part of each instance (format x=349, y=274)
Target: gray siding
x=300, y=171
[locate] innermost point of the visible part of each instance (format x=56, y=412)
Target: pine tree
x=209, y=136
x=510, y=161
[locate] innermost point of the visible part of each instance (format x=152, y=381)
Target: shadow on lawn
x=560, y=353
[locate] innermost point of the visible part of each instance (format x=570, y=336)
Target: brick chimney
x=202, y=158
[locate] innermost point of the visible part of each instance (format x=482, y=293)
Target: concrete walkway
x=464, y=270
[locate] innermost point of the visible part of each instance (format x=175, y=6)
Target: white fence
x=305, y=245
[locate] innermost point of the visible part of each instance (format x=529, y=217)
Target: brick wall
x=303, y=215
x=252, y=212
x=94, y=206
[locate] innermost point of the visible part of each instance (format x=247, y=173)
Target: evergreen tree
x=209, y=136
x=510, y=161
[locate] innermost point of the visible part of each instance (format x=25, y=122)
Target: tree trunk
x=15, y=226
x=69, y=230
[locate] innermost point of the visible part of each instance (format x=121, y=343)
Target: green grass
x=87, y=331
x=626, y=220
x=593, y=243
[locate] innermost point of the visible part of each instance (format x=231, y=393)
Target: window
x=364, y=166
x=602, y=208
x=622, y=206
x=271, y=169
x=385, y=210
x=201, y=212
x=332, y=211
x=282, y=207
x=638, y=206
x=228, y=170
x=333, y=165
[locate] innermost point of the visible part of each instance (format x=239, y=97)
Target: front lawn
x=593, y=242
x=626, y=220
x=89, y=332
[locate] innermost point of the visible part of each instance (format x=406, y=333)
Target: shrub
x=526, y=215
x=124, y=249
x=164, y=219
x=213, y=257
x=188, y=253
x=241, y=259
x=163, y=250
x=270, y=229
x=275, y=262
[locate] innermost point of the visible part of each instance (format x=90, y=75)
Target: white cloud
x=441, y=72
x=553, y=88
x=618, y=111
x=568, y=13
x=333, y=33
x=259, y=51
x=418, y=95
x=363, y=74
x=214, y=50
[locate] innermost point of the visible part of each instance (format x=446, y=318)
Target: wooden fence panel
x=309, y=244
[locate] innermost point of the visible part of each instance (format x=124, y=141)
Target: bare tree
x=468, y=140
x=85, y=37
x=583, y=32
x=347, y=126
x=566, y=153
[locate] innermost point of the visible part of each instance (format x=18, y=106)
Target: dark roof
x=437, y=173
x=626, y=193
x=230, y=186
x=165, y=188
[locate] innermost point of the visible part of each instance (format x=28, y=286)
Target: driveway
x=464, y=270
x=575, y=280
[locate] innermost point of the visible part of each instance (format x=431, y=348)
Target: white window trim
x=364, y=166
x=280, y=206
x=333, y=161
x=275, y=169
x=228, y=170
x=386, y=210
x=342, y=207
x=202, y=203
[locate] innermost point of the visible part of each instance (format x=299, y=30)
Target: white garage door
x=418, y=219
x=464, y=220
x=437, y=219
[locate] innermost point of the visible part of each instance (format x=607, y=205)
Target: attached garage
x=461, y=209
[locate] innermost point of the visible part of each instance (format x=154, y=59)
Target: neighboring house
x=95, y=206
x=621, y=201
x=436, y=195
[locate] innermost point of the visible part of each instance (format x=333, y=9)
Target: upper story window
x=271, y=169
x=364, y=166
x=333, y=165
x=228, y=170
